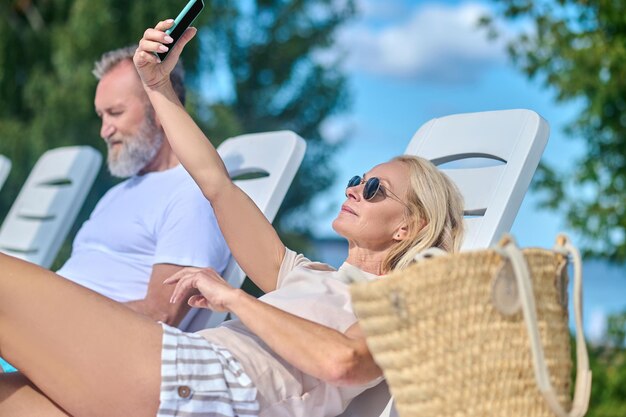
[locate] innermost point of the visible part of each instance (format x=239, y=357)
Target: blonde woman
x=296, y=351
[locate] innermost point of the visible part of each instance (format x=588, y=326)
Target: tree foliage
x=263, y=49
x=276, y=83
x=578, y=48
x=608, y=365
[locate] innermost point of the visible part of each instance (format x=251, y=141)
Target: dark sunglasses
x=372, y=188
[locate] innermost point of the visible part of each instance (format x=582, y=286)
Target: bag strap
x=583, y=373
x=508, y=248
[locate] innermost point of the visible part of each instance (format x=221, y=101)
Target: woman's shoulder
x=295, y=263
x=293, y=260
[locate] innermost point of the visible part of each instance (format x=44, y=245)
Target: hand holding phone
x=182, y=22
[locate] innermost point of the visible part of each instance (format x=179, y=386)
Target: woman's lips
x=347, y=209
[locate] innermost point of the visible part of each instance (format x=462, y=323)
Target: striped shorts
x=201, y=379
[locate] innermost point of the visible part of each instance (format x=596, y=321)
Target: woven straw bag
x=481, y=333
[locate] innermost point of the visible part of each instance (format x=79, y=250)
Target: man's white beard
x=136, y=151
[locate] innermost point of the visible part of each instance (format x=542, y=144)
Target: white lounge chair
x=48, y=203
x=5, y=167
x=277, y=157
x=506, y=147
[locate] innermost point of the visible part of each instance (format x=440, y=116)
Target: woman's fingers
x=152, y=46
x=180, y=279
x=143, y=58
x=198, y=301
x=152, y=71
x=154, y=40
x=187, y=35
x=184, y=285
x=175, y=278
x=187, y=279
x=205, y=280
x=182, y=273
x=164, y=25
x=158, y=36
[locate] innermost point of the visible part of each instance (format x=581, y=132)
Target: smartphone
x=182, y=22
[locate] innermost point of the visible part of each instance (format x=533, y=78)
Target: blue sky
x=410, y=61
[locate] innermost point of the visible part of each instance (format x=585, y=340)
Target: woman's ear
x=403, y=230
x=401, y=233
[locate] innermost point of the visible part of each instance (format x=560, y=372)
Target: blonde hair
x=435, y=214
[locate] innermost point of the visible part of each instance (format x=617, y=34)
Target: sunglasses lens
x=354, y=181
x=371, y=188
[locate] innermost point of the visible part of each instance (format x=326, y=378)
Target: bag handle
x=508, y=248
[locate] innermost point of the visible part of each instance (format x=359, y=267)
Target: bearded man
x=155, y=222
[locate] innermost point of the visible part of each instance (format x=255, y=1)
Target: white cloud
x=434, y=43
x=337, y=128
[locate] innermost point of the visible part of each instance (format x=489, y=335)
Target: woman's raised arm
x=253, y=241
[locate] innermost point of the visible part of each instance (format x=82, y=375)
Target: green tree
x=275, y=83
x=266, y=49
x=578, y=49
x=47, y=50
x=608, y=365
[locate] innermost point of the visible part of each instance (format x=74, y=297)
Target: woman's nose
x=353, y=192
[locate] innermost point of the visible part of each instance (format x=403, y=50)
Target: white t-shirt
x=311, y=290
x=160, y=217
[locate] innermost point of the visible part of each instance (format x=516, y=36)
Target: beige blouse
x=307, y=289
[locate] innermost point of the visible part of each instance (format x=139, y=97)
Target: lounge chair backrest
x=507, y=143
x=263, y=165
x=5, y=167
x=491, y=156
x=48, y=203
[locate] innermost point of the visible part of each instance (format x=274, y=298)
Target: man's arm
x=157, y=304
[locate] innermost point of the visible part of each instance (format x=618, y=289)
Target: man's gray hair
x=111, y=59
